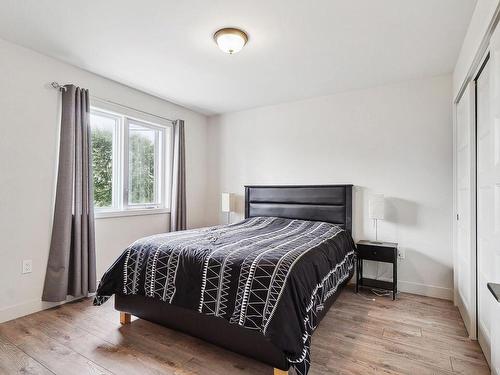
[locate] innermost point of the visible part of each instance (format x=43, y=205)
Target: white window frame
x=163, y=161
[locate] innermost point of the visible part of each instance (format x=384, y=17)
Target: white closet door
x=494, y=172
x=488, y=199
x=485, y=207
x=465, y=240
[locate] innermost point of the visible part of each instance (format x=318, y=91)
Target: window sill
x=124, y=213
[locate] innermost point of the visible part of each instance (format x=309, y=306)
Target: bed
x=258, y=287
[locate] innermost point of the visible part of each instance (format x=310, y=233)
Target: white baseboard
x=420, y=289
x=27, y=308
x=426, y=290
x=33, y=306
x=22, y=309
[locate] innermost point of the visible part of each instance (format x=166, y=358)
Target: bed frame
x=329, y=203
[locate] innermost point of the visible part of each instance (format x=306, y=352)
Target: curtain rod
x=59, y=87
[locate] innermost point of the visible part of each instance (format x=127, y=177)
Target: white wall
x=395, y=140
x=28, y=150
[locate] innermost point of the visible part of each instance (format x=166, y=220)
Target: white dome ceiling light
x=230, y=40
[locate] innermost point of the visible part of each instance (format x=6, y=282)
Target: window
x=131, y=162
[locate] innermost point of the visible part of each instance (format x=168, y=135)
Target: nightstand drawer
x=377, y=253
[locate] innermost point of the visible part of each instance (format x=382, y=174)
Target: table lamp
x=227, y=204
x=376, y=211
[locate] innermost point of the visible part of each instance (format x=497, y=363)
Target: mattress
x=268, y=274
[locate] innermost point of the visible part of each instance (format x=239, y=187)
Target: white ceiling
x=297, y=48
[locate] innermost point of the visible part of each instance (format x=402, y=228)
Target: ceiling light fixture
x=230, y=40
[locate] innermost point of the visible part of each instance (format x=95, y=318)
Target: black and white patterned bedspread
x=264, y=273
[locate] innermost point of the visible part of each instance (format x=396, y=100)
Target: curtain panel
x=178, y=204
x=71, y=267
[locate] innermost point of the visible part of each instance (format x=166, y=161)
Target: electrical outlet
x=27, y=266
x=401, y=253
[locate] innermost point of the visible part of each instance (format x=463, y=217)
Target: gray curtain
x=178, y=204
x=71, y=265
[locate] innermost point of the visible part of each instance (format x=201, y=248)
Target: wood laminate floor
x=413, y=335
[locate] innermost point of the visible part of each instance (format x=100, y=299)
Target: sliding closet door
x=488, y=195
x=491, y=177
x=485, y=206
x=465, y=261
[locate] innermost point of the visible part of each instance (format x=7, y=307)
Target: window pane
x=142, y=178
x=102, y=128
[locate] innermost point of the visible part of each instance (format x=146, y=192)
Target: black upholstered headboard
x=330, y=203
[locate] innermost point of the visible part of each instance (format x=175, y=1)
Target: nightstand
x=386, y=252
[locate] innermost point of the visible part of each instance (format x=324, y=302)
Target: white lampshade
x=376, y=207
x=226, y=202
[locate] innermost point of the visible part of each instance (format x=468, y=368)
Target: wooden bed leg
x=277, y=371
x=125, y=318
